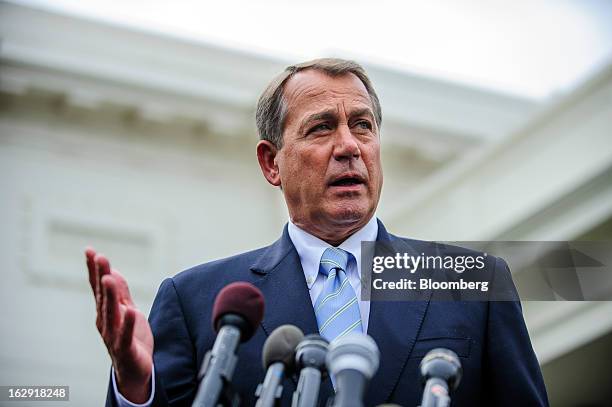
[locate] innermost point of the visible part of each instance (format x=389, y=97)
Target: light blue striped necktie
x=336, y=308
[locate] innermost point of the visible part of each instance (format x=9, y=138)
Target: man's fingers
x=90, y=254
x=103, y=265
x=102, y=268
x=123, y=288
x=116, y=316
x=110, y=309
x=127, y=333
x=94, y=282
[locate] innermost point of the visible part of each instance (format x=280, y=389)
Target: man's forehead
x=309, y=88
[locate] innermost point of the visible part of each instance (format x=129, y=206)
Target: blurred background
x=130, y=127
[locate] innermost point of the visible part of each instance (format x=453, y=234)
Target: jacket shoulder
x=223, y=271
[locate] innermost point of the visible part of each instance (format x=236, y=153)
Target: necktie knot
x=333, y=258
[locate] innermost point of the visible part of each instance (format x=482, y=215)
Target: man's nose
x=345, y=144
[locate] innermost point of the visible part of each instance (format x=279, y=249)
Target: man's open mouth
x=347, y=181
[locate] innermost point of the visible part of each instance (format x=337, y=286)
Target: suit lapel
x=394, y=325
x=287, y=300
x=284, y=287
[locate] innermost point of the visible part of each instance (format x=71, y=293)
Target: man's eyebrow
x=364, y=111
x=329, y=114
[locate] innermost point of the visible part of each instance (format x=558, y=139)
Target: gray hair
x=272, y=108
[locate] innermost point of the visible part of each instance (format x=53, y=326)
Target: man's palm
x=124, y=329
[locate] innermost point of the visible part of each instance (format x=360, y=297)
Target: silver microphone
x=310, y=360
x=352, y=360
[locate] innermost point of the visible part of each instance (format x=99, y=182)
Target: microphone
x=352, y=360
x=278, y=358
x=310, y=360
x=237, y=312
x=440, y=370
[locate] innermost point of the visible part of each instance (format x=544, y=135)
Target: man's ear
x=266, y=155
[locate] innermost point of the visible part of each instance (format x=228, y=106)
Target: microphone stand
x=435, y=394
x=228, y=397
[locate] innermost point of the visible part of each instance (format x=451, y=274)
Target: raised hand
x=124, y=329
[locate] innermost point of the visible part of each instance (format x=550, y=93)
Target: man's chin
x=350, y=215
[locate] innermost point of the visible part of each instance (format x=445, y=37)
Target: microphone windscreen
x=311, y=352
x=243, y=299
x=280, y=346
x=444, y=364
x=354, y=351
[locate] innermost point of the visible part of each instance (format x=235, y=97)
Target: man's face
x=329, y=164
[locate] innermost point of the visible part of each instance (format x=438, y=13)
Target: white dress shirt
x=310, y=249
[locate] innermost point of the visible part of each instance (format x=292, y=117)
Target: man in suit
x=319, y=127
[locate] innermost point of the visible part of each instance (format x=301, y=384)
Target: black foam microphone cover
x=280, y=346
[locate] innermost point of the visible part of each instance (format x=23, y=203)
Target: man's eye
x=320, y=127
x=364, y=124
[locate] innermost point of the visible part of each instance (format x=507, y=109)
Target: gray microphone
x=310, y=361
x=352, y=360
x=278, y=359
x=440, y=370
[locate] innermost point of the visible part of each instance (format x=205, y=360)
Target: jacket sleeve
x=512, y=373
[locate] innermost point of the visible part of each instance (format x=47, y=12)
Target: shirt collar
x=310, y=248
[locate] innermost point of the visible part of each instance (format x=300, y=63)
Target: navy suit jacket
x=499, y=365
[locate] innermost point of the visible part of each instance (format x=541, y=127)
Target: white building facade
x=144, y=147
